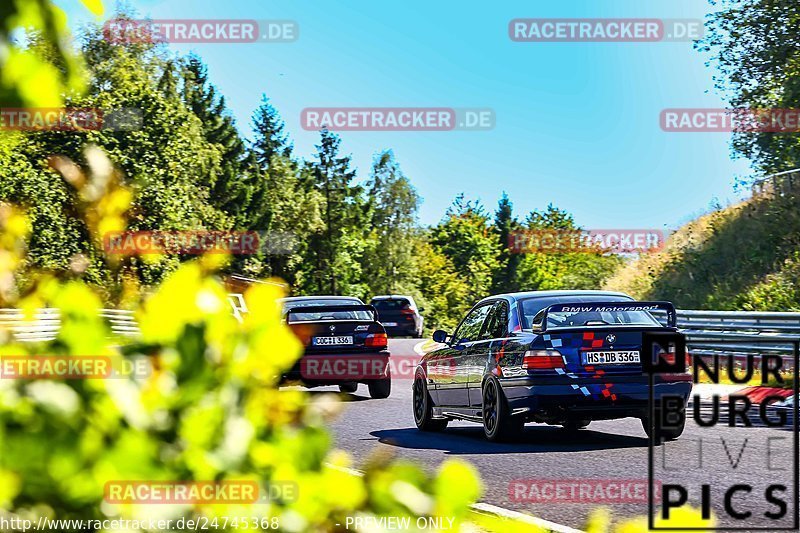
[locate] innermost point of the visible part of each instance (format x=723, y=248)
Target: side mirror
x=440, y=336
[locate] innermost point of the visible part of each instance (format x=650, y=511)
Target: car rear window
x=308, y=314
x=391, y=305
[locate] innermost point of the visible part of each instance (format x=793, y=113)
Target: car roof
x=392, y=297
x=321, y=297
x=516, y=296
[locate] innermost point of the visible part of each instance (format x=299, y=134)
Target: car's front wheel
x=423, y=408
x=498, y=424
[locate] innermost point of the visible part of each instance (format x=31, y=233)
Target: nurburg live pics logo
x=742, y=470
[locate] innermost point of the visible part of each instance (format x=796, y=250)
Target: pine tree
x=270, y=137
x=505, y=224
x=231, y=186
x=342, y=216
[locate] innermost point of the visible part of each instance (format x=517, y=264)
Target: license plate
x=390, y=324
x=332, y=341
x=610, y=358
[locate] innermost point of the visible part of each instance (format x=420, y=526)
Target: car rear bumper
x=401, y=329
x=558, y=398
x=338, y=368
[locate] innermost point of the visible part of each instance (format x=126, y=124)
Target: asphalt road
x=610, y=450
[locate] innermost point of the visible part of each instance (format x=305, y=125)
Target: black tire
x=663, y=434
x=498, y=424
x=348, y=388
x=380, y=388
x=573, y=425
x=423, y=408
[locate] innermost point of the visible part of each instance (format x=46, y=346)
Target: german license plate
x=332, y=341
x=390, y=324
x=610, y=358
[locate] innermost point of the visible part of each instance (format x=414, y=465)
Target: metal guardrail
x=739, y=333
x=780, y=184
x=45, y=323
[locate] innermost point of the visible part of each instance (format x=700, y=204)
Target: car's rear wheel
x=423, y=408
x=380, y=388
x=573, y=425
x=498, y=424
x=348, y=388
x=662, y=434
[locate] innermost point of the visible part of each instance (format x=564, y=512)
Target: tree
x=165, y=159
x=563, y=269
x=270, y=137
x=231, y=184
x=336, y=250
x=505, y=224
x=445, y=295
x=465, y=238
x=392, y=206
x=756, y=48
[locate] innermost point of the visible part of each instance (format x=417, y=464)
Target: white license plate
x=610, y=358
x=390, y=324
x=332, y=341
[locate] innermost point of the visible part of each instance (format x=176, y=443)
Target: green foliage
x=465, y=237
x=209, y=408
x=585, y=269
x=740, y=257
x=756, y=47
x=335, y=252
x=392, y=225
x=446, y=296
x=506, y=278
x=188, y=168
x=271, y=138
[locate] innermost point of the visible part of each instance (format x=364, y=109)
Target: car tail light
x=407, y=311
x=542, y=360
x=376, y=340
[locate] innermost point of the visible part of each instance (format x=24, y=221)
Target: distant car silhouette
x=399, y=315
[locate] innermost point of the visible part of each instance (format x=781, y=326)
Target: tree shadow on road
x=534, y=439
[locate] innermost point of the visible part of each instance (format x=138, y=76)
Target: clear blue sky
x=577, y=123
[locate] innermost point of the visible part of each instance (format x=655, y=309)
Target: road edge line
x=502, y=512
x=487, y=508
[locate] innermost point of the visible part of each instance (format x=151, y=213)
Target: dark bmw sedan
x=344, y=344
x=557, y=357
